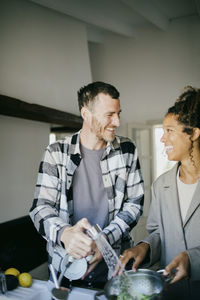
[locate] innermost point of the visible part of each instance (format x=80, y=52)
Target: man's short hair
x=87, y=94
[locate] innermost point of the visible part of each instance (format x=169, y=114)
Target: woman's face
x=177, y=143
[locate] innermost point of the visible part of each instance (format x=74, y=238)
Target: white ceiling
x=124, y=17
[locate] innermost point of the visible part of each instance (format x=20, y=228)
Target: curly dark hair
x=87, y=94
x=187, y=108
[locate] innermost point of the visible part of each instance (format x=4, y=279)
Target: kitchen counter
x=41, y=290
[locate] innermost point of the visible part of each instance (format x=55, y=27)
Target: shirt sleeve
x=45, y=209
x=132, y=206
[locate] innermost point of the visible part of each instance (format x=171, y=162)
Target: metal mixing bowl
x=142, y=283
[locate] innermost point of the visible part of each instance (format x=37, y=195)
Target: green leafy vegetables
x=127, y=296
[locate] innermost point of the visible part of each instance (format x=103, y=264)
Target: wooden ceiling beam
x=16, y=108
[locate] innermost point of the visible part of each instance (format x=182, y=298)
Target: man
x=92, y=177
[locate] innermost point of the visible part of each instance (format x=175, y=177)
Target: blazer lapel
x=175, y=206
x=194, y=204
x=172, y=198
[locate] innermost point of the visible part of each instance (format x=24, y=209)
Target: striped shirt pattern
x=52, y=208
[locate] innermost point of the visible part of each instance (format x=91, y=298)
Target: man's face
x=105, y=117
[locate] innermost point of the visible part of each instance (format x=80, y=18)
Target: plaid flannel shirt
x=52, y=208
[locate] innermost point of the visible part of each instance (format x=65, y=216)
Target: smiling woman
x=161, y=163
x=173, y=221
x=177, y=142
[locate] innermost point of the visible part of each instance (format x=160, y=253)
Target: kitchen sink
x=41, y=290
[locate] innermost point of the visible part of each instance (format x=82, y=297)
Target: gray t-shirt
x=89, y=194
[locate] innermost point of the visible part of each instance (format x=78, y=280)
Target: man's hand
x=138, y=253
x=97, y=257
x=182, y=265
x=77, y=243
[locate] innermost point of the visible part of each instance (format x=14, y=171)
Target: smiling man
x=92, y=177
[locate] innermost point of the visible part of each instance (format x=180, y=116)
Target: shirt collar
x=74, y=144
x=74, y=147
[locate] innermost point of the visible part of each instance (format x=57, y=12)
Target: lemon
x=25, y=279
x=12, y=271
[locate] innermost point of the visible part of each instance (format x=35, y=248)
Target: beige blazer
x=168, y=235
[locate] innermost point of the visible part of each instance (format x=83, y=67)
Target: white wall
x=22, y=145
x=150, y=70
x=43, y=55
x=43, y=59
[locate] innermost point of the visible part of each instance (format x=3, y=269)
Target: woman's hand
x=182, y=265
x=138, y=253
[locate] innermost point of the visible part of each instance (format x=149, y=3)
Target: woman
x=174, y=217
